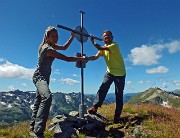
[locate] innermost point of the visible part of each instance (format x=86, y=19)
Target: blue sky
x=148, y=32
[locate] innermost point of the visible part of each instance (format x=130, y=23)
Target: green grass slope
x=142, y=120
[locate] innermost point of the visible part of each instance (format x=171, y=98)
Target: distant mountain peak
x=156, y=96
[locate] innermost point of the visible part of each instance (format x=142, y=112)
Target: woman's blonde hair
x=47, y=32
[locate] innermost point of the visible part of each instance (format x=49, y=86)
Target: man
x=115, y=73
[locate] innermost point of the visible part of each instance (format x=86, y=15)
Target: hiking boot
x=40, y=136
x=92, y=110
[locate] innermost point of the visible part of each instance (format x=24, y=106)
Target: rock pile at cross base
x=93, y=126
x=71, y=125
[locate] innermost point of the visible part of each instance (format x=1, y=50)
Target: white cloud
x=10, y=70
x=160, y=69
x=129, y=82
x=176, y=82
x=69, y=81
x=148, y=81
x=145, y=55
x=164, y=85
x=74, y=75
x=173, y=46
x=141, y=82
x=2, y=59
x=129, y=68
x=11, y=87
x=57, y=71
x=150, y=54
x=53, y=79
x=24, y=84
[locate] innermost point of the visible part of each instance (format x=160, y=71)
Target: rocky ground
x=94, y=126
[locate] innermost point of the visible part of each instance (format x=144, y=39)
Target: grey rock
x=65, y=126
x=74, y=113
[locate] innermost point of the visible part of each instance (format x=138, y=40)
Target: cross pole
x=82, y=106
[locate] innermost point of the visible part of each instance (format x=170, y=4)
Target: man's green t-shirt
x=114, y=60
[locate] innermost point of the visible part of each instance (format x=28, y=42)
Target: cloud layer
x=10, y=70
x=150, y=54
x=160, y=69
x=69, y=81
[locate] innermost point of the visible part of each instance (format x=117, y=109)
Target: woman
x=47, y=54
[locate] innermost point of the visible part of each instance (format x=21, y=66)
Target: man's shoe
x=92, y=110
x=40, y=136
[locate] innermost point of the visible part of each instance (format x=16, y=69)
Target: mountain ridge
x=157, y=96
x=16, y=106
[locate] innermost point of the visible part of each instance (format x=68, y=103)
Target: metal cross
x=82, y=36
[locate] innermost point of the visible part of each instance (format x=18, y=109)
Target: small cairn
x=71, y=125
